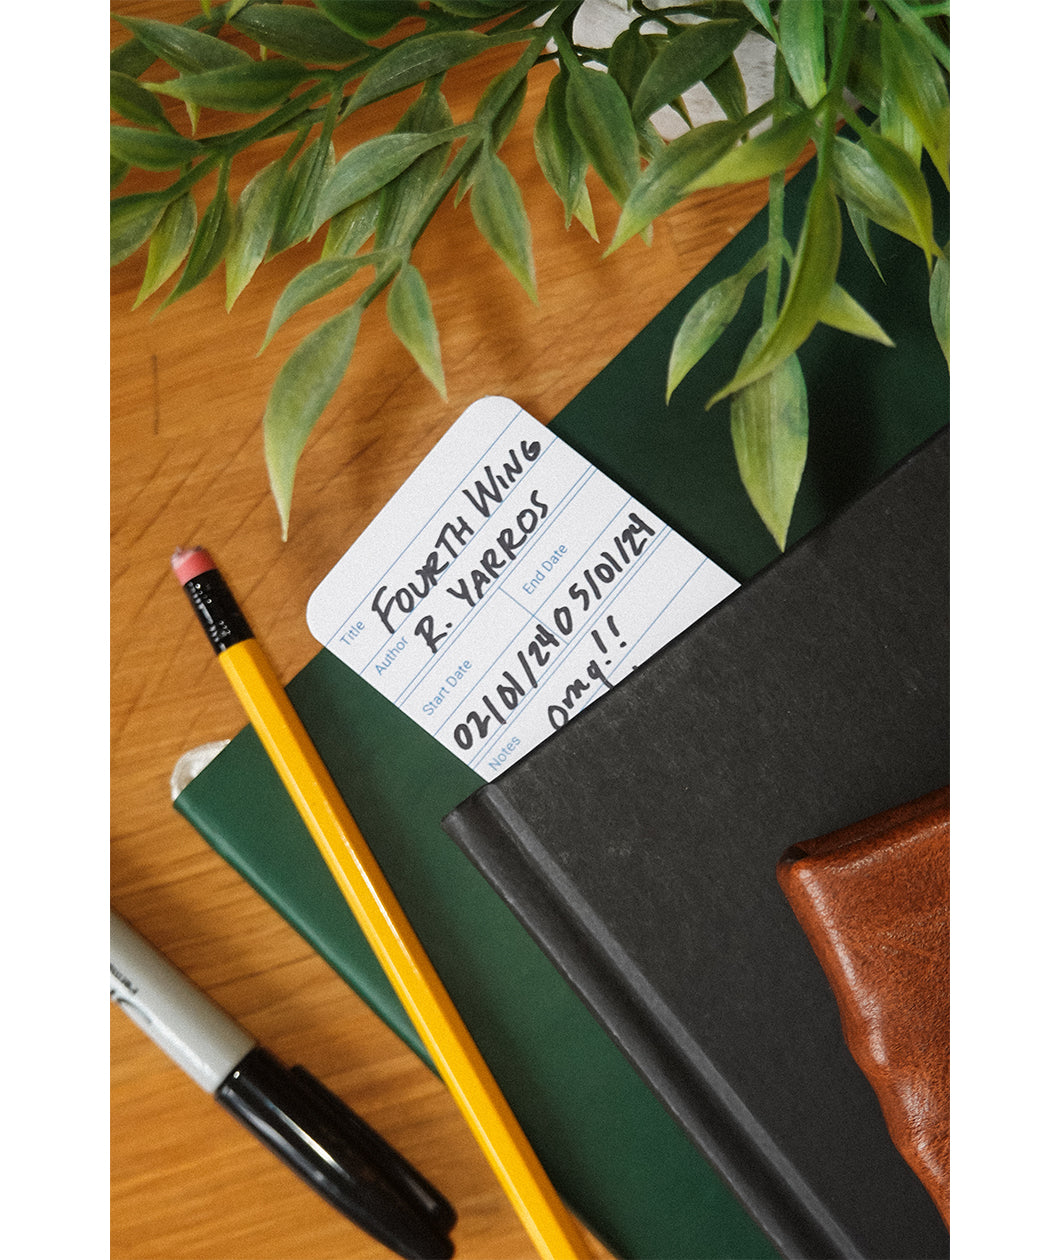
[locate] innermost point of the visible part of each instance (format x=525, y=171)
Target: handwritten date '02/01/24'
x=510, y=690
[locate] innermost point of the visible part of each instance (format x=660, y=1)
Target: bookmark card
x=507, y=585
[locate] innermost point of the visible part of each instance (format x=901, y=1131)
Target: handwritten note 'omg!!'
x=507, y=585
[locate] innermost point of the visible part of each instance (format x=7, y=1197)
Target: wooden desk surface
x=187, y=398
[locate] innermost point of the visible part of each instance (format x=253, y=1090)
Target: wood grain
x=188, y=392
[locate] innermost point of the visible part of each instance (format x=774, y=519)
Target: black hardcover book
x=639, y=847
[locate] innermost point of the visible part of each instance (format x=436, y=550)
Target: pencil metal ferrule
x=217, y=610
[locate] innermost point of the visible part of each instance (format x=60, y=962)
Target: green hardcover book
x=611, y=1148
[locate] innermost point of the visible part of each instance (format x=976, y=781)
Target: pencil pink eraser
x=189, y=562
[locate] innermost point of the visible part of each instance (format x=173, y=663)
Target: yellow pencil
x=551, y=1227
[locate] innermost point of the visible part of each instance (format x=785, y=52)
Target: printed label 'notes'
x=507, y=585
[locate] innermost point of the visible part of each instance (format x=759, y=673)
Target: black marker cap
x=345, y=1161
x=405, y=1179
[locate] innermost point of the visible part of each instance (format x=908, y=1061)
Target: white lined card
x=507, y=585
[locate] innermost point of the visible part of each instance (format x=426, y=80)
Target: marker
x=311, y=1130
x=552, y=1229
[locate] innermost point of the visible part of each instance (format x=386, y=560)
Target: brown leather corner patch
x=873, y=899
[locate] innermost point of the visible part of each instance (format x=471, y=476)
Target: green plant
x=318, y=65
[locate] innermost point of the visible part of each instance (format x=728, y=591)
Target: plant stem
x=832, y=101
x=383, y=277
x=286, y=118
x=774, y=270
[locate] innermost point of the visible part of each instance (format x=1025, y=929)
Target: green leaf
x=373, y=163
x=813, y=274
x=522, y=15
x=211, y=240
x=939, y=302
x=313, y=282
x=685, y=60
x=499, y=214
x=862, y=184
x=561, y=158
x=132, y=220
x=305, y=34
x=865, y=73
x=762, y=155
x=582, y=209
x=727, y=87
x=303, y=388
x=133, y=101
x=842, y=311
x=495, y=114
x=501, y=104
x=247, y=89
x=300, y=196
x=368, y=21
x=118, y=171
x=801, y=28
x=769, y=421
x=350, y=228
x=170, y=242
x=478, y=9
x=759, y=10
x=679, y=168
x=894, y=123
x=403, y=200
x=840, y=17
x=632, y=52
x=651, y=144
x=877, y=173
x=920, y=89
x=469, y=173
x=256, y=215
x=707, y=318
x=132, y=58
x=896, y=126
x=914, y=18
x=860, y=222
x=600, y=119
x=415, y=59
x=408, y=308
x=152, y=150
x=185, y=48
